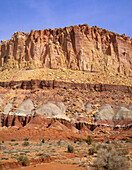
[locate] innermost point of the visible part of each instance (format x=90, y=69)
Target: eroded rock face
x=51, y=110
x=130, y=107
x=18, y=110
x=105, y=115
x=89, y=108
x=77, y=47
x=7, y=108
x=13, y=120
x=52, y=84
x=0, y=101
x=122, y=117
x=25, y=108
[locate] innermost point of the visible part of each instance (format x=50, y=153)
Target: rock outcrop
x=104, y=117
x=88, y=108
x=25, y=108
x=122, y=117
x=77, y=47
x=51, y=110
x=14, y=120
x=0, y=101
x=130, y=107
x=7, y=108
x=52, y=84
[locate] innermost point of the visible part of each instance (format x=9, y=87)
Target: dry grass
x=66, y=75
x=58, y=150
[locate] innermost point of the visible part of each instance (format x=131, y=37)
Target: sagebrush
x=111, y=158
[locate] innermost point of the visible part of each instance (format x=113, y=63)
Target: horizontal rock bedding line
x=51, y=84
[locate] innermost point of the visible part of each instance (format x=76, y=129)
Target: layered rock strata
x=122, y=118
x=52, y=84
x=77, y=47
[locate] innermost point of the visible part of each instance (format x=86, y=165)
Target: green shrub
x=43, y=157
x=128, y=141
x=92, y=151
x=98, y=147
x=20, y=158
x=24, y=160
x=75, y=141
x=3, y=141
x=70, y=148
x=125, y=152
x=110, y=158
x=25, y=143
x=89, y=140
x=59, y=142
x=43, y=141
x=81, y=140
x=13, y=140
x=26, y=139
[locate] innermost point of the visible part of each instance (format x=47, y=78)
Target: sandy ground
x=53, y=166
x=52, y=155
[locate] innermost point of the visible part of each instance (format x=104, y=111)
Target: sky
x=24, y=15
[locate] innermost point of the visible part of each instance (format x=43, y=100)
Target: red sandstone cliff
x=77, y=47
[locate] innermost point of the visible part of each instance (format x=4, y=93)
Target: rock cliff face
x=13, y=120
x=53, y=84
x=77, y=47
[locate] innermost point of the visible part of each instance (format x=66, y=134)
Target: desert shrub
x=59, y=142
x=92, y=151
x=13, y=140
x=70, y=148
x=3, y=141
x=20, y=158
x=89, y=140
x=81, y=140
x=39, y=154
x=25, y=143
x=24, y=160
x=43, y=157
x=125, y=152
x=110, y=158
x=98, y=147
x=128, y=141
x=43, y=141
x=75, y=141
x=26, y=139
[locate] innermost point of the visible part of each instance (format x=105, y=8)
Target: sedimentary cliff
x=52, y=84
x=77, y=47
